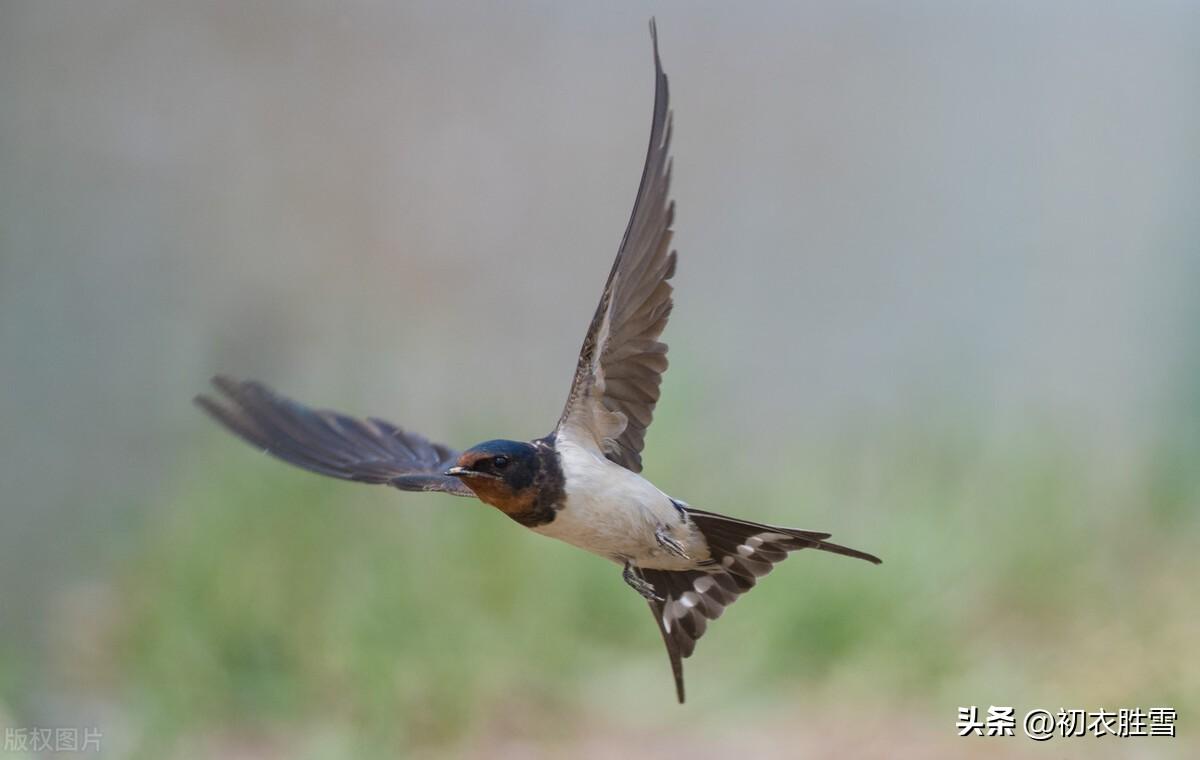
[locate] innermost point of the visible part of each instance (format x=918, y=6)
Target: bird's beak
x=467, y=472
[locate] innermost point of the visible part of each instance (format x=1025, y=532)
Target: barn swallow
x=582, y=483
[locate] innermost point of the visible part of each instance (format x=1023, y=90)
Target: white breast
x=614, y=512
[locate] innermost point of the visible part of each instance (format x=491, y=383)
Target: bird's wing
x=621, y=363
x=328, y=443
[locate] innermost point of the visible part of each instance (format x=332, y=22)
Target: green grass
x=335, y=620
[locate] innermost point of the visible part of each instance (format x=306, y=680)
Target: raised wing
x=621, y=363
x=328, y=443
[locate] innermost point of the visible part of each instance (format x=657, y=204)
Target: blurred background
x=936, y=295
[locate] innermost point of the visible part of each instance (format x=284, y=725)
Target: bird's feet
x=639, y=584
x=666, y=541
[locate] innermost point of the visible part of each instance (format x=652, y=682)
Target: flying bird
x=582, y=483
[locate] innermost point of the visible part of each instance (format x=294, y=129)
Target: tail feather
x=736, y=529
x=672, y=651
x=741, y=553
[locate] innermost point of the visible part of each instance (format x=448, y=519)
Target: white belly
x=615, y=513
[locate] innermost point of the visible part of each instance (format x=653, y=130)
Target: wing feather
x=617, y=379
x=328, y=443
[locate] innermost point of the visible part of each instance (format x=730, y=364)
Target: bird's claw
x=666, y=541
x=639, y=584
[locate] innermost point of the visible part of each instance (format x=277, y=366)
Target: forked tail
x=742, y=552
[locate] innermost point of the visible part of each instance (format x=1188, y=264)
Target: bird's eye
x=500, y=462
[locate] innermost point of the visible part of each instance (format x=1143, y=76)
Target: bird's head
x=501, y=473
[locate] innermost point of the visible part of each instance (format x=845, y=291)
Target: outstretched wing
x=621, y=363
x=328, y=443
x=742, y=552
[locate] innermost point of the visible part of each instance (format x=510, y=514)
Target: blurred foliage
x=337, y=620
